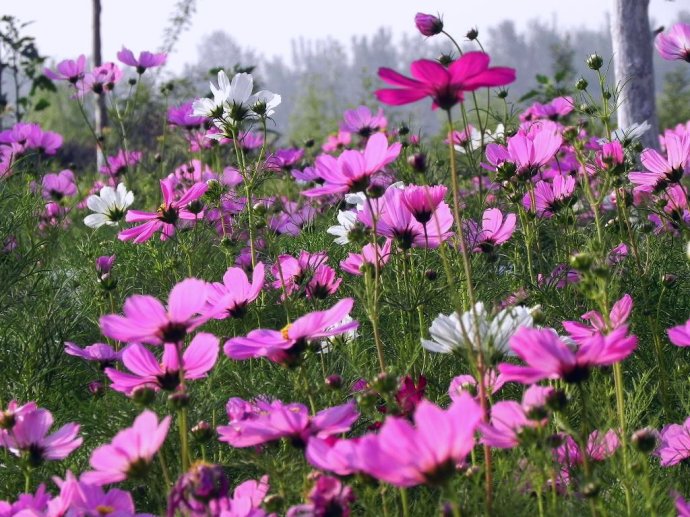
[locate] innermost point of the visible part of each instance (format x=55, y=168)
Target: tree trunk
x=100, y=112
x=632, y=57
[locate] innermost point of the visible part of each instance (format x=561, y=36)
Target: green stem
x=404, y=503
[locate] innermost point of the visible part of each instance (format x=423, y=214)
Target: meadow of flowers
x=491, y=321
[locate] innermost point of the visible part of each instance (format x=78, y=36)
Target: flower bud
x=431, y=275
x=96, y=388
x=417, y=161
x=385, y=383
x=143, y=396
x=309, y=142
x=595, y=62
x=581, y=261
x=581, y=84
x=334, y=381
x=445, y=59
x=502, y=94
x=669, y=280
x=591, y=489
x=472, y=34
x=375, y=191
x=428, y=24
x=178, y=400
x=202, y=431
x=557, y=400
x=645, y=440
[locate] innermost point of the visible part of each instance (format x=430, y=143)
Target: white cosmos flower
x=110, y=206
x=264, y=103
x=447, y=333
x=210, y=107
x=342, y=339
x=347, y=220
x=475, y=141
x=630, y=133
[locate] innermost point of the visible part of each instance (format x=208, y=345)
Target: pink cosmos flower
x=235, y=292
x=530, y=149
x=333, y=454
x=460, y=384
x=363, y=122
x=663, y=171
x=99, y=80
x=130, y=452
x=286, y=345
x=68, y=70
x=147, y=320
x=599, y=447
x=620, y=312
x=550, y=197
x=682, y=506
x=98, y=352
x=183, y=116
x=354, y=262
x=426, y=453
x=674, y=445
x=428, y=24
x=495, y=230
x=27, y=504
x=353, y=170
x=79, y=498
x=336, y=142
x=446, y=86
x=548, y=357
x=29, y=435
x=680, y=334
x=9, y=416
x=166, y=217
x=554, y=110
x=675, y=44
x=422, y=201
x=327, y=497
x=59, y=185
x=269, y=422
x=308, y=275
x=395, y=220
x=146, y=59
x=122, y=162
x=198, y=359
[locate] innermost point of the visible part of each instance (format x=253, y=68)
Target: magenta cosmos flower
x=269, y=422
x=99, y=80
x=674, y=446
x=680, y=334
x=59, y=185
x=353, y=170
x=675, y=44
x=29, y=436
x=363, y=122
x=183, y=116
x=530, y=149
x=308, y=275
x=663, y=171
x=235, y=292
x=147, y=320
x=286, y=346
x=70, y=70
x=145, y=60
x=101, y=353
x=548, y=357
x=620, y=312
x=79, y=498
x=334, y=454
x=599, y=447
x=550, y=197
x=130, y=452
x=426, y=453
x=495, y=230
x=197, y=360
x=355, y=262
x=446, y=86
x=428, y=24
x=396, y=221
x=120, y=163
x=166, y=217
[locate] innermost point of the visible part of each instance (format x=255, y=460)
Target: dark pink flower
x=354, y=262
x=680, y=334
x=198, y=359
x=675, y=44
x=550, y=197
x=144, y=61
x=554, y=110
x=334, y=454
x=286, y=345
x=428, y=24
x=147, y=320
x=101, y=353
x=620, y=312
x=99, y=80
x=363, y=122
x=495, y=230
x=336, y=142
x=599, y=447
x=663, y=171
x=549, y=357
x=308, y=275
x=166, y=217
x=446, y=86
x=530, y=149
x=183, y=116
x=235, y=292
x=59, y=185
x=130, y=453
x=328, y=497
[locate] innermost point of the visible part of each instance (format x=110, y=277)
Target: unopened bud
x=334, y=381
x=645, y=440
x=595, y=62
x=581, y=84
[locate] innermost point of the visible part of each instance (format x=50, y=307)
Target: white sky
x=62, y=27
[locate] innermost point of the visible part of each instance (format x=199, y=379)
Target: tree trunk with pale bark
x=100, y=112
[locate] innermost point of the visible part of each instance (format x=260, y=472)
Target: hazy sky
x=62, y=27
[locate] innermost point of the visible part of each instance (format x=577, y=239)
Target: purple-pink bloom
x=147, y=320
x=120, y=163
x=307, y=274
x=328, y=497
x=166, y=217
x=530, y=149
x=183, y=116
x=130, y=453
x=426, y=453
x=599, y=447
x=29, y=435
x=286, y=345
x=428, y=24
x=549, y=357
x=371, y=254
x=446, y=86
x=59, y=185
x=99, y=80
x=675, y=44
x=495, y=230
x=198, y=359
x=663, y=171
x=235, y=292
x=334, y=454
x=272, y=421
x=68, y=70
x=353, y=171
x=144, y=61
x=620, y=312
x=101, y=353
x=674, y=445
x=550, y=197
x=363, y=122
